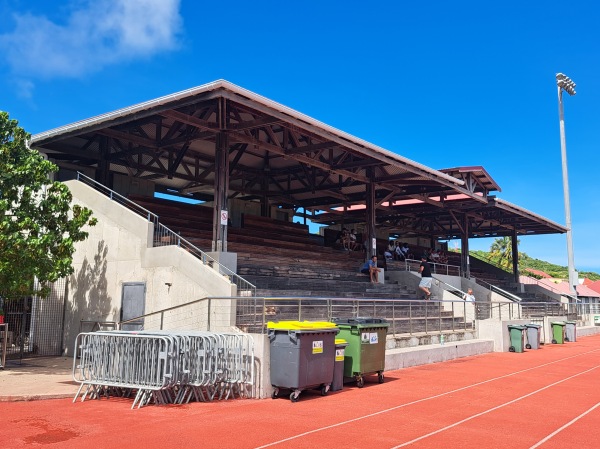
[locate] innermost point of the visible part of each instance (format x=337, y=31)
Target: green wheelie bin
x=517, y=337
x=558, y=332
x=365, y=353
x=302, y=356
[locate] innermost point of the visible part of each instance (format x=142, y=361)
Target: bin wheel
x=274, y=393
x=360, y=382
x=527, y=346
x=380, y=377
x=293, y=397
x=511, y=349
x=553, y=341
x=324, y=390
x=566, y=338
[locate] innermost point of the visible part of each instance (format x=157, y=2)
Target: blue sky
x=442, y=83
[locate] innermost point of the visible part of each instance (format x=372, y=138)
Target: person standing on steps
x=426, y=278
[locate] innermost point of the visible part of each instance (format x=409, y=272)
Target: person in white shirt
x=469, y=297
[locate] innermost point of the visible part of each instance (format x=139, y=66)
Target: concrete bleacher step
x=291, y=286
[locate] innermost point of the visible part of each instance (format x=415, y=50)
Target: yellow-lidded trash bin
x=302, y=356
x=338, y=367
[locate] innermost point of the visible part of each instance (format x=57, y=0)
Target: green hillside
x=526, y=262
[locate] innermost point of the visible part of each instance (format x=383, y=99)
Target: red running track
x=547, y=398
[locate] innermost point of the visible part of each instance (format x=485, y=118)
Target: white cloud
x=96, y=34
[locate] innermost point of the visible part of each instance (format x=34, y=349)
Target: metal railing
x=528, y=280
x=406, y=317
x=436, y=268
x=164, y=236
x=495, y=289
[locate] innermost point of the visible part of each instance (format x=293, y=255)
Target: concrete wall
x=422, y=355
x=497, y=332
x=119, y=250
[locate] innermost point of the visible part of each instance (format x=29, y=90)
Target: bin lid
x=571, y=322
x=516, y=326
x=558, y=323
x=341, y=342
x=361, y=321
x=301, y=325
x=537, y=326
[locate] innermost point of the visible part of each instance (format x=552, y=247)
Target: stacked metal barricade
x=164, y=367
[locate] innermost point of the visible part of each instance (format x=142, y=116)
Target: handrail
x=162, y=312
x=453, y=290
x=544, y=286
x=534, y=281
x=436, y=268
x=492, y=287
x=164, y=236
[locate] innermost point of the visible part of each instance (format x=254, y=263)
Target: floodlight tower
x=565, y=83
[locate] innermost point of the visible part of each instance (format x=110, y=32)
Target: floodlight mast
x=565, y=83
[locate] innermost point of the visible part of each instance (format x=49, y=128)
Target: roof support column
x=464, y=248
x=220, y=213
x=370, y=242
x=515, y=255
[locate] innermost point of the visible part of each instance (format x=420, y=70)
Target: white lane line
x=342, y=423
x=574, y=420
x=462, y=421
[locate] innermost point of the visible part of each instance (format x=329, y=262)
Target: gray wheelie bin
x=302, y=356
x=571, y=331
x=533, y=336
x=338, y=367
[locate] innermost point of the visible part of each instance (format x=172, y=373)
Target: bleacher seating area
x=281, y=258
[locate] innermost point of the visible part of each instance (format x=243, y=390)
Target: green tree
x=38, y=225
x=501, y=252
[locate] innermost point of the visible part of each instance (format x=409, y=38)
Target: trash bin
x=517, y=338
x=365, y=353
x=302, y=356
x=338, y=366
x=558, y=332
x=533, y=336
x=571, y=331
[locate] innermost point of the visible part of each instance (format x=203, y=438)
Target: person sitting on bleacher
x=352, y=243
x=391, y=248
x=370, y=268
x=443, y=257
x=345, y=238
x=406, y=251
x=398, y=252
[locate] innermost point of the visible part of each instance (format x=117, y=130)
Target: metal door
x=133, y=303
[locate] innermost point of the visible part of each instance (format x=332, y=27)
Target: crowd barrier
x=164, y=367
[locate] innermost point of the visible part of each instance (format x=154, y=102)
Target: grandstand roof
x=283, y=156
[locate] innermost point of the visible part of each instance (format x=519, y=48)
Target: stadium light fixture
x=565, y=83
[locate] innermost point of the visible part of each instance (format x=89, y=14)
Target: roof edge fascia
x=224, y=84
